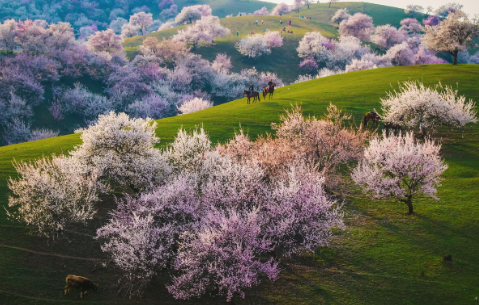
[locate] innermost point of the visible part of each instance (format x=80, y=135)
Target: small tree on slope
x=398, y=167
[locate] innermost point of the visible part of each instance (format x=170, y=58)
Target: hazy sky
x=471, y=7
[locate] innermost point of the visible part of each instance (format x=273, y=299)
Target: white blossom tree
x=340, y=15
x=190, y=14
x=387, y=36
x=314, y=45
x=399, y=167
x=253, y=46
x=297, y=4
x=52, y=193
x=194, y=105
x=280, y=9
x=123, y=152
x=414, y=104
x=452, y=35
x=141, y=20
x=203, y=32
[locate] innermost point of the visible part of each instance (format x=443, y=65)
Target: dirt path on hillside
x=53, y=254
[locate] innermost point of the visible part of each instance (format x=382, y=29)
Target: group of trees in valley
x=45, y=67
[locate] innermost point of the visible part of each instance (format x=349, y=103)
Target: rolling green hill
x=283, y=61
x=383, y=257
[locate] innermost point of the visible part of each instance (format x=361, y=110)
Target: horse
x=249, y=95
x=267, y=90
x=371, y=116
x=396, y=128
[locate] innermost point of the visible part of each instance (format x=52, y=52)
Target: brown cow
x=79, y=282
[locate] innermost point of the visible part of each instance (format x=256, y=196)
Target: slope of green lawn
x=383, y=257
x=283, y=61
x=222, y=8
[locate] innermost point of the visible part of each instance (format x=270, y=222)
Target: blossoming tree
x=399, y=167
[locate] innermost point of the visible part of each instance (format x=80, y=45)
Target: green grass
x=378, y=259
x=284, y=60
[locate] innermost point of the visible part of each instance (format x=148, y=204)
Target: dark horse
x=269, y=90
x=395, y=128
x=249, y=95
x=371, y=116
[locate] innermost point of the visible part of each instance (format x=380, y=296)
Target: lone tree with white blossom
x=414, y=104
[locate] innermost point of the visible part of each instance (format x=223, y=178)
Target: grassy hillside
x=283, y=61
x=383, y=257
x=221, y=8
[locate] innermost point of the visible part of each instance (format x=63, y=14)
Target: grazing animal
x=249, y=95
x=447, y=258
x=269, y=90
x=371, y=116
x=79, y=282
x=396, y=128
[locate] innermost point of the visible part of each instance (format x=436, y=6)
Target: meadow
x=383, y=257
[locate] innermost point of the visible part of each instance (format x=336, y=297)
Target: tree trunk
x=409, y=205
x=454, y=55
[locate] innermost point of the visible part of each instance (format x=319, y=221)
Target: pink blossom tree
x=190, y=14
x=8, y=32
x=297, y=4
x=222, y=62
x=142, y=234
x=452, y=35
x=399, y=167
x=166, y=50
x=401, y=55
x=223, y=254
x=426, y=57
x=411, y=25
x=105, y=41
x=273, y=39
x=281, y=9
x=431, y=21
x=387, y=36
x=309, y=65
x=141, y=20
x=358, y=25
